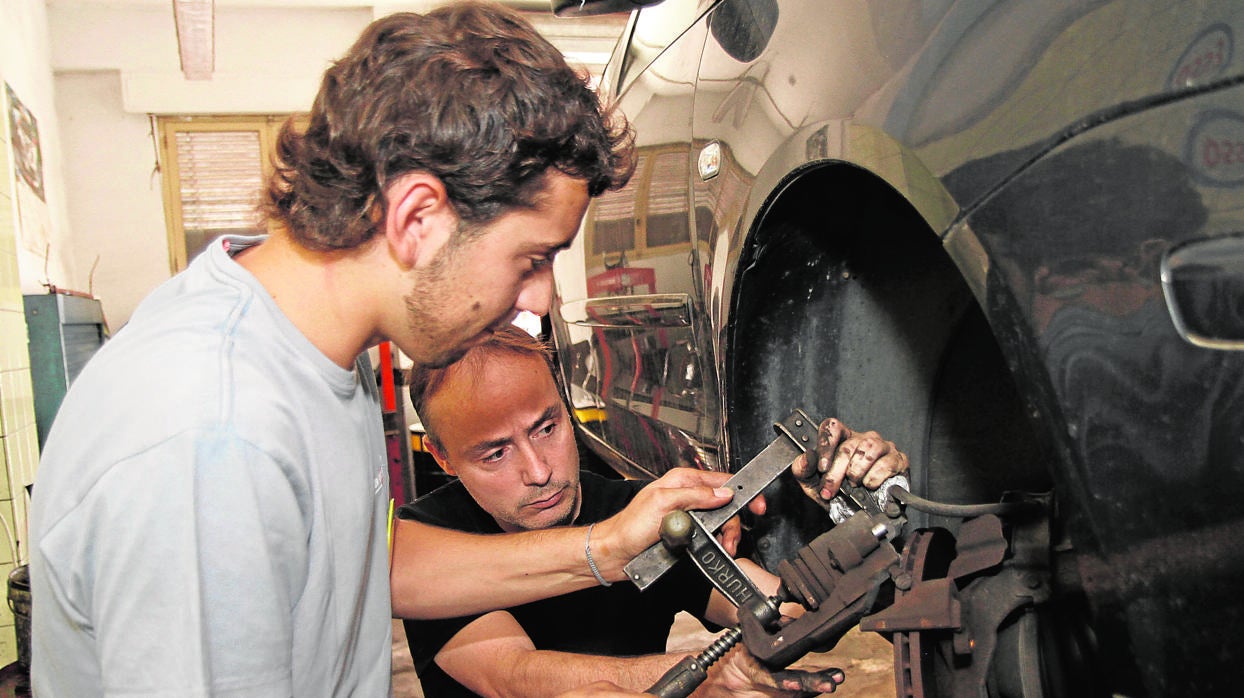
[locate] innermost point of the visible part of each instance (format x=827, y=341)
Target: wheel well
x=847, y=305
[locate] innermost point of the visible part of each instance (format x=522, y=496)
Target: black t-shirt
x=614, y=621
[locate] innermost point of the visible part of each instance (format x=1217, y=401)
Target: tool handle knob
x=676, y=529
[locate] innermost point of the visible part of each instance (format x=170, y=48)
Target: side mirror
x=584, y=8
x=1203, y=282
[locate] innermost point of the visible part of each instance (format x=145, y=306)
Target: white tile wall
x=19, y=450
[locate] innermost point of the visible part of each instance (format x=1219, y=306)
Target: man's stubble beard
x=426, y=314
x=565, y=520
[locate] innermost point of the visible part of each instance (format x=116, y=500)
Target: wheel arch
x=846, y=303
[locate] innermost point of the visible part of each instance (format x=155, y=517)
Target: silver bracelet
x=587, y=550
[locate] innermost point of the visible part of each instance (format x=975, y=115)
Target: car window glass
x=655, y=28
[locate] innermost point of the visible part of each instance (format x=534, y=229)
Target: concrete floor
x=405, y=682
x=14, y=682
x=866, y=658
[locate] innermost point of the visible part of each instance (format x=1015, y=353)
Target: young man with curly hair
x=212, y=505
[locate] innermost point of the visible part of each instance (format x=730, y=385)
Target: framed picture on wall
x=24, y=134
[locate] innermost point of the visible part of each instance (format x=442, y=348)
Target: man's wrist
x=591, y=563
x=605, y=559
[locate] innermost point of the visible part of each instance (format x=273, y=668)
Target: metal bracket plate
x=797, y=435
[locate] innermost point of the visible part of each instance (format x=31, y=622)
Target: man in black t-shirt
x=614, y=621
x=496, y=420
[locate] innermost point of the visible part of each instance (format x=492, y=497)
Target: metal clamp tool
x=798, y=434
x=693, y=531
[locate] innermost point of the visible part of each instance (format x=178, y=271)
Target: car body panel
x=858, y=207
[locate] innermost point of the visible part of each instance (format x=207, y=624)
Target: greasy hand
x=630, y=531
x=810, y=683
x=862, y=457
x=600, y=689
x=739, y=675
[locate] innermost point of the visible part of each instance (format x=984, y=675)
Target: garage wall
x=116, y=63
x=30, y=226
x=25, y=67
x=115, y=211
x=268, y=60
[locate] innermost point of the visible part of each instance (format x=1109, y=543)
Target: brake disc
x=1005, y=638
x=916, y=654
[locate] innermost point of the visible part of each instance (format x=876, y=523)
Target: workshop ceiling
x=586, y=41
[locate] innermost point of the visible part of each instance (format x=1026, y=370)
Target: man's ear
x=419, y=219
x=439, y=456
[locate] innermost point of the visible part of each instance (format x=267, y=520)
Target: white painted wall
x=29, y=227
x=44, y=239
x=116, y=211
x=267, y=59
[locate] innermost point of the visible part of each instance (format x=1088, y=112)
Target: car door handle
x=1203, y=281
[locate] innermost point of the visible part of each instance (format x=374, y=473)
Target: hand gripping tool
x=758, y=614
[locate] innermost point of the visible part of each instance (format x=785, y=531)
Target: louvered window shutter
x=220, y=174
x=214, y=169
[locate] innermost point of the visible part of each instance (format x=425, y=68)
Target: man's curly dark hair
x=470, y=93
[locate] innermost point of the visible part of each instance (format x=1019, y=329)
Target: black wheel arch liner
x=847, y=304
